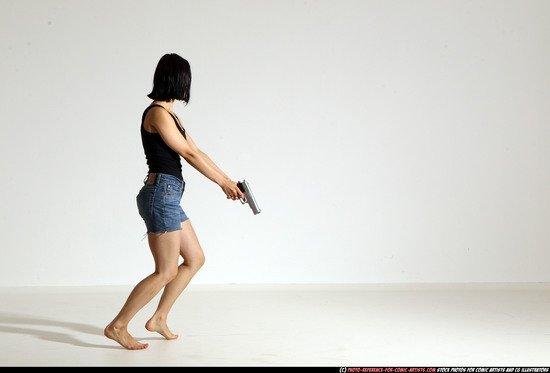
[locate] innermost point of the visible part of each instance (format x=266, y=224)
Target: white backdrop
x=385, y=141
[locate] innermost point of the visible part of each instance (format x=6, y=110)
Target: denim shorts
x=159, y=204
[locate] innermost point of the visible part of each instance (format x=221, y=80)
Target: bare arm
x=206, y=157
x=186, y=148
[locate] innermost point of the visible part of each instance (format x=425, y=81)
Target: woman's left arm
x=203, y=155
x=206, y=158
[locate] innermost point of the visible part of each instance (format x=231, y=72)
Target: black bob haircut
x=172, y=80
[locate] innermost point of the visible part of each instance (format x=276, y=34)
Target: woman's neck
x=168, y=105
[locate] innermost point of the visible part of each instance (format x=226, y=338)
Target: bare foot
x=121, y=336
x=159, y=326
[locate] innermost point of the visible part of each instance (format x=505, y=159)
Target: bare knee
x=195, y=263
x=198, y=262
x=167, y=276
x=201, y=261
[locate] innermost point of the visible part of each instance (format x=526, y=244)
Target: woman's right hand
x=231, y=190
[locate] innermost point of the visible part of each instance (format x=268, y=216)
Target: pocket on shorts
x=144, y=201
x=171, y=189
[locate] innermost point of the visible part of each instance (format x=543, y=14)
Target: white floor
x=287, y=325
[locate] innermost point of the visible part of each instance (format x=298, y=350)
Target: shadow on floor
x=23, y=324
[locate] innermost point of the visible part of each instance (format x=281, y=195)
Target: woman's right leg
x=165, y=248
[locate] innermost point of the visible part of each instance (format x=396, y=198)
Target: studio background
x=385, y=141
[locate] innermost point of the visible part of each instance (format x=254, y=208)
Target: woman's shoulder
x=155, y=117
x=158, y=113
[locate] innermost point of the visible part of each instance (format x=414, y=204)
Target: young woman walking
x=169, y=230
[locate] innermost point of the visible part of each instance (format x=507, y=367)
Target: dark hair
x=172, y=80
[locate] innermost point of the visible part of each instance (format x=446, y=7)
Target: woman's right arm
x=164, y=124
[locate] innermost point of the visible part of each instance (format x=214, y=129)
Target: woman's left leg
x=193, y=260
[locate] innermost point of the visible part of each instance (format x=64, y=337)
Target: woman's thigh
x=165, y=248
x=190, y=248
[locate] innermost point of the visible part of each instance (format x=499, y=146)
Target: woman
x=170, y=233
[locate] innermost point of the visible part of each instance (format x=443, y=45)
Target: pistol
x=249, y=197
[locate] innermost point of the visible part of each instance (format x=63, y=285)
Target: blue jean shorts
x=158, y=203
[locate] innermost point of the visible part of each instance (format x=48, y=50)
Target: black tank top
x=160, y=157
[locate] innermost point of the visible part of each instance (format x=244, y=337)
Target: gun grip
x=241, y=188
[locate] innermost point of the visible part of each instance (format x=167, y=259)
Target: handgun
x=248, y=197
